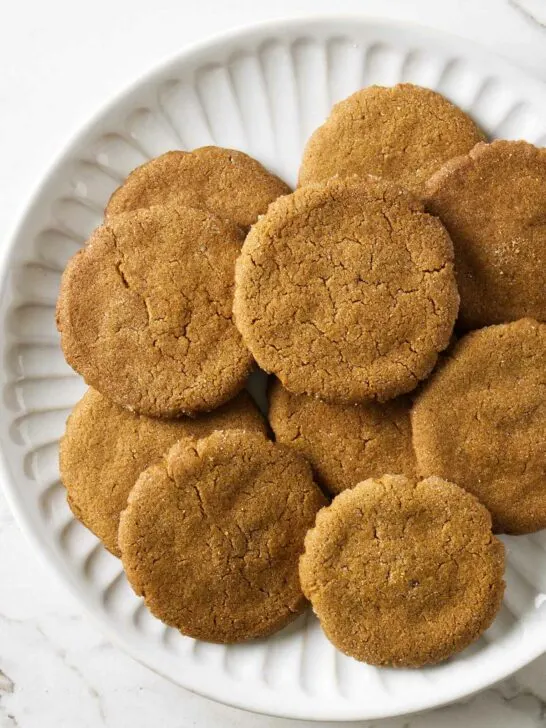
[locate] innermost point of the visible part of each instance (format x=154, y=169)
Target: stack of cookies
x=395, y=447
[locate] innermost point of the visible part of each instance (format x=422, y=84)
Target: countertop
x=59, y=61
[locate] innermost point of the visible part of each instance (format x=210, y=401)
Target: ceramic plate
x=262, y=90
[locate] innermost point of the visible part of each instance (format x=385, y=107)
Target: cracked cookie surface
x=492, y=204
x=145, y=314
x=212, y=535
x=345, y=444
x=403, y=573
x=481, y=418
x=403, y=133
x=346, y=291
x=106, y=447
x=227, y=182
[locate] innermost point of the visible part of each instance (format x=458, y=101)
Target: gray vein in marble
x=524, y=695
x=11, y=620
x=526, y=13
x=10, y=720
x=62, y=655
x=6, y=686
x=6, y=683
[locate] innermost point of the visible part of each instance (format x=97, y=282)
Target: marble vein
x=528, y=14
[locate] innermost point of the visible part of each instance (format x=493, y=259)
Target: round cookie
x=212, y=535
x=403, y=133
x=492, y=203
x=481, y=419
x=228, y=183
x=106, y=447
x=145, y=311
x=346, y=291
x=345, y=444
x=403, y=573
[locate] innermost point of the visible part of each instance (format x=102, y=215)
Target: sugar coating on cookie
x=492, y=203
x=403, y=573
x=345, y=444
x=145, y=311
x=480, y=421
x=227, y=182
x=346, y=291
x=105, y=448
x=403, y=133
x=211, y=536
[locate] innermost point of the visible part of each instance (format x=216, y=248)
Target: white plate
x=262, y=90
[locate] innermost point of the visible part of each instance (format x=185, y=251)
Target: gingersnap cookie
x=403, y=133
x=212, y=535
x=346, y=291
x=145, y=311
x=492, y=203
x=403, y=573
x=345, y=444
x=106, y=447
x=228, y=183
x=481, y=419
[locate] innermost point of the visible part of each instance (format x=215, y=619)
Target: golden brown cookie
x=346, y=291
x=403, y=133
x=492, y=203
x=228, y=183
x=481, y=421
x=212, y=535
x=345, y=444
x=145, y=311
x=403, y=573
x=106, y=447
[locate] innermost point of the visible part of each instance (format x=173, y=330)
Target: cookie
x=145, y=312
x=345, y=444
x=403, y=133
x=346, y=291
x=492, y=203
x=228, y=183
x=403, y=573
x=212, y=535
x=481, y=419
x=106, y=447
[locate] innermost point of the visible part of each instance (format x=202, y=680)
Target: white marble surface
x=59, y=60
